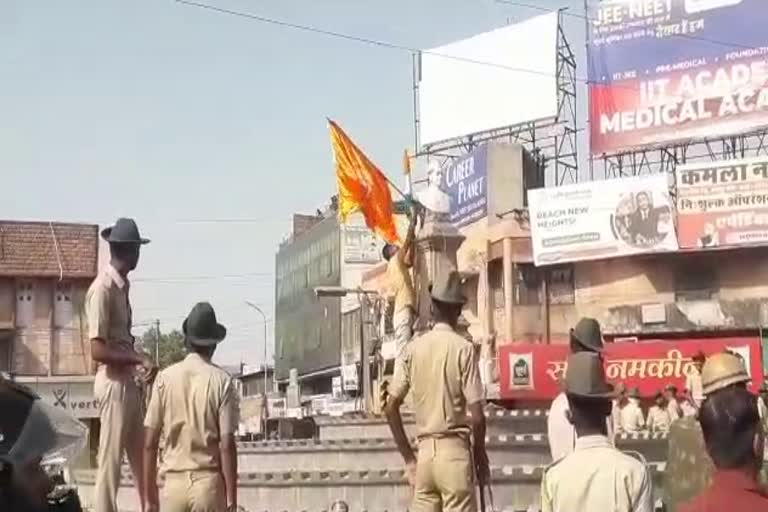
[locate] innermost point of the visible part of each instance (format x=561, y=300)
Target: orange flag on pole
x=362, y=186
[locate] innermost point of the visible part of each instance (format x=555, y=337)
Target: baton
x=482, y=496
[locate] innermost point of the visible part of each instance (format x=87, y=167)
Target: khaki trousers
x=193, y=491
x=444, y=476
x=122, y=415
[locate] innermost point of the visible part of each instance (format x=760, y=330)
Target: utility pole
x=157, y=342
x=264, y=319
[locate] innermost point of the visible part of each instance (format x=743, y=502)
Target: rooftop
x=48, y=249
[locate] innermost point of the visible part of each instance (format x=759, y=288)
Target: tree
x=169, y=345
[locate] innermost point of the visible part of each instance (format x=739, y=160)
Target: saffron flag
x=362, y=186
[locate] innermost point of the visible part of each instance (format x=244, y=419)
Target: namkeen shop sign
x=533, y=371
x=657, y=73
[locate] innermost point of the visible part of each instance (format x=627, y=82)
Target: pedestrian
x=689, y=468
x=441, y=373
x=595, y=476
x=673, y=406
x=31, y=430
x=585, y=337
x=693, y=380
x=619, y=403
x=399, y=264
x=121, y=410
x=734, y=439
x=632, y=418
x=194, y=404
x=658, y=415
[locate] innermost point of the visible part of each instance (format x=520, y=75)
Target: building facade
x=319, y=337
x=45, y=271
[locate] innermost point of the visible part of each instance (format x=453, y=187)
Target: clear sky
x=209, y=129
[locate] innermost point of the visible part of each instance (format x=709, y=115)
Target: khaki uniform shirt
x=109, y=310
x=632, y=419
x=674, y=410
x=693, y=384
x=658, y=419
x=194, y=404
x=440, y=370
x=400, y=282
x=689, y=468
x=596, y=477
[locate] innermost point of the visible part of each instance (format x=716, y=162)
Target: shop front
x=75, y=395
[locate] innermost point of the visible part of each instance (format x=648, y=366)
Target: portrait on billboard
x=656, y=77
x=641, y=223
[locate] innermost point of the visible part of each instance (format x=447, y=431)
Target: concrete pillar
x=508, y=268
x=436, y=244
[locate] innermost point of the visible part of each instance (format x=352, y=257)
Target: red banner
x=530, y=371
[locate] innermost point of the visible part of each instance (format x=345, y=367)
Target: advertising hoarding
x=496, y=79
x=533, y=371
x=667, y=70
x=465, y=181
x=601, y=219
x=722, y=203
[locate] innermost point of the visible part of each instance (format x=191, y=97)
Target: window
x=560, y=286
x=496, y=283
x=696, y=279
x=25, y=303
x=527, y=280
x=62, y=305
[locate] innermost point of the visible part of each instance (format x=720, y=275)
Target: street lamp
x=338, y=292
x=264, y=319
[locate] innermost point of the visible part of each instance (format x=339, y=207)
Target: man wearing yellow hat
x=595, y=476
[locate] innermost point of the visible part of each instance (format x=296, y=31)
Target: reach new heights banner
x=667, y=70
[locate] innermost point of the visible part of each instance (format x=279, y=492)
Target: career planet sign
x=465, y=181
x=656, y=77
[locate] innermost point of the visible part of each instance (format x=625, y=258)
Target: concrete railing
x=515, y=488
x=366, y=453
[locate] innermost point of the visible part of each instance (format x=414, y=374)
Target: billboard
x=465, y=181
x=722, y=203
x=601, y=219
x=533, y=371
x=667, y=70
x=500, y=78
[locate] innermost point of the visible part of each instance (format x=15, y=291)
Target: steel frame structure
x=666, y=157
x=553, y=142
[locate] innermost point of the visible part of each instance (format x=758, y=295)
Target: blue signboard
x=465, y=180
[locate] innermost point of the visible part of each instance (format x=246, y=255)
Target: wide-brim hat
x=125, y=231
x=447, y=288
x=201, y=328
x=585, y=377
x=722, y=370
x=588, y=334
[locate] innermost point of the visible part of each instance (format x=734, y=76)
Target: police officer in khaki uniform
x=440, y=371
x=109, y=328
x=595, y=476
x=194, y=405
x=689, y=468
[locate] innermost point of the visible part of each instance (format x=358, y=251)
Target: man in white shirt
x=693, y=380
x=595, y=476
x=632, y=419
x=618, y=404
x=585, y=337
x=673, y=406
x=658, y=415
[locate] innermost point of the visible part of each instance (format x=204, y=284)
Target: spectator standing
x=619, y=403
x=673, y=406
x=595, y=476
x=658, y=415
x=632, y=419
x=693, y=381
x=585, y=337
